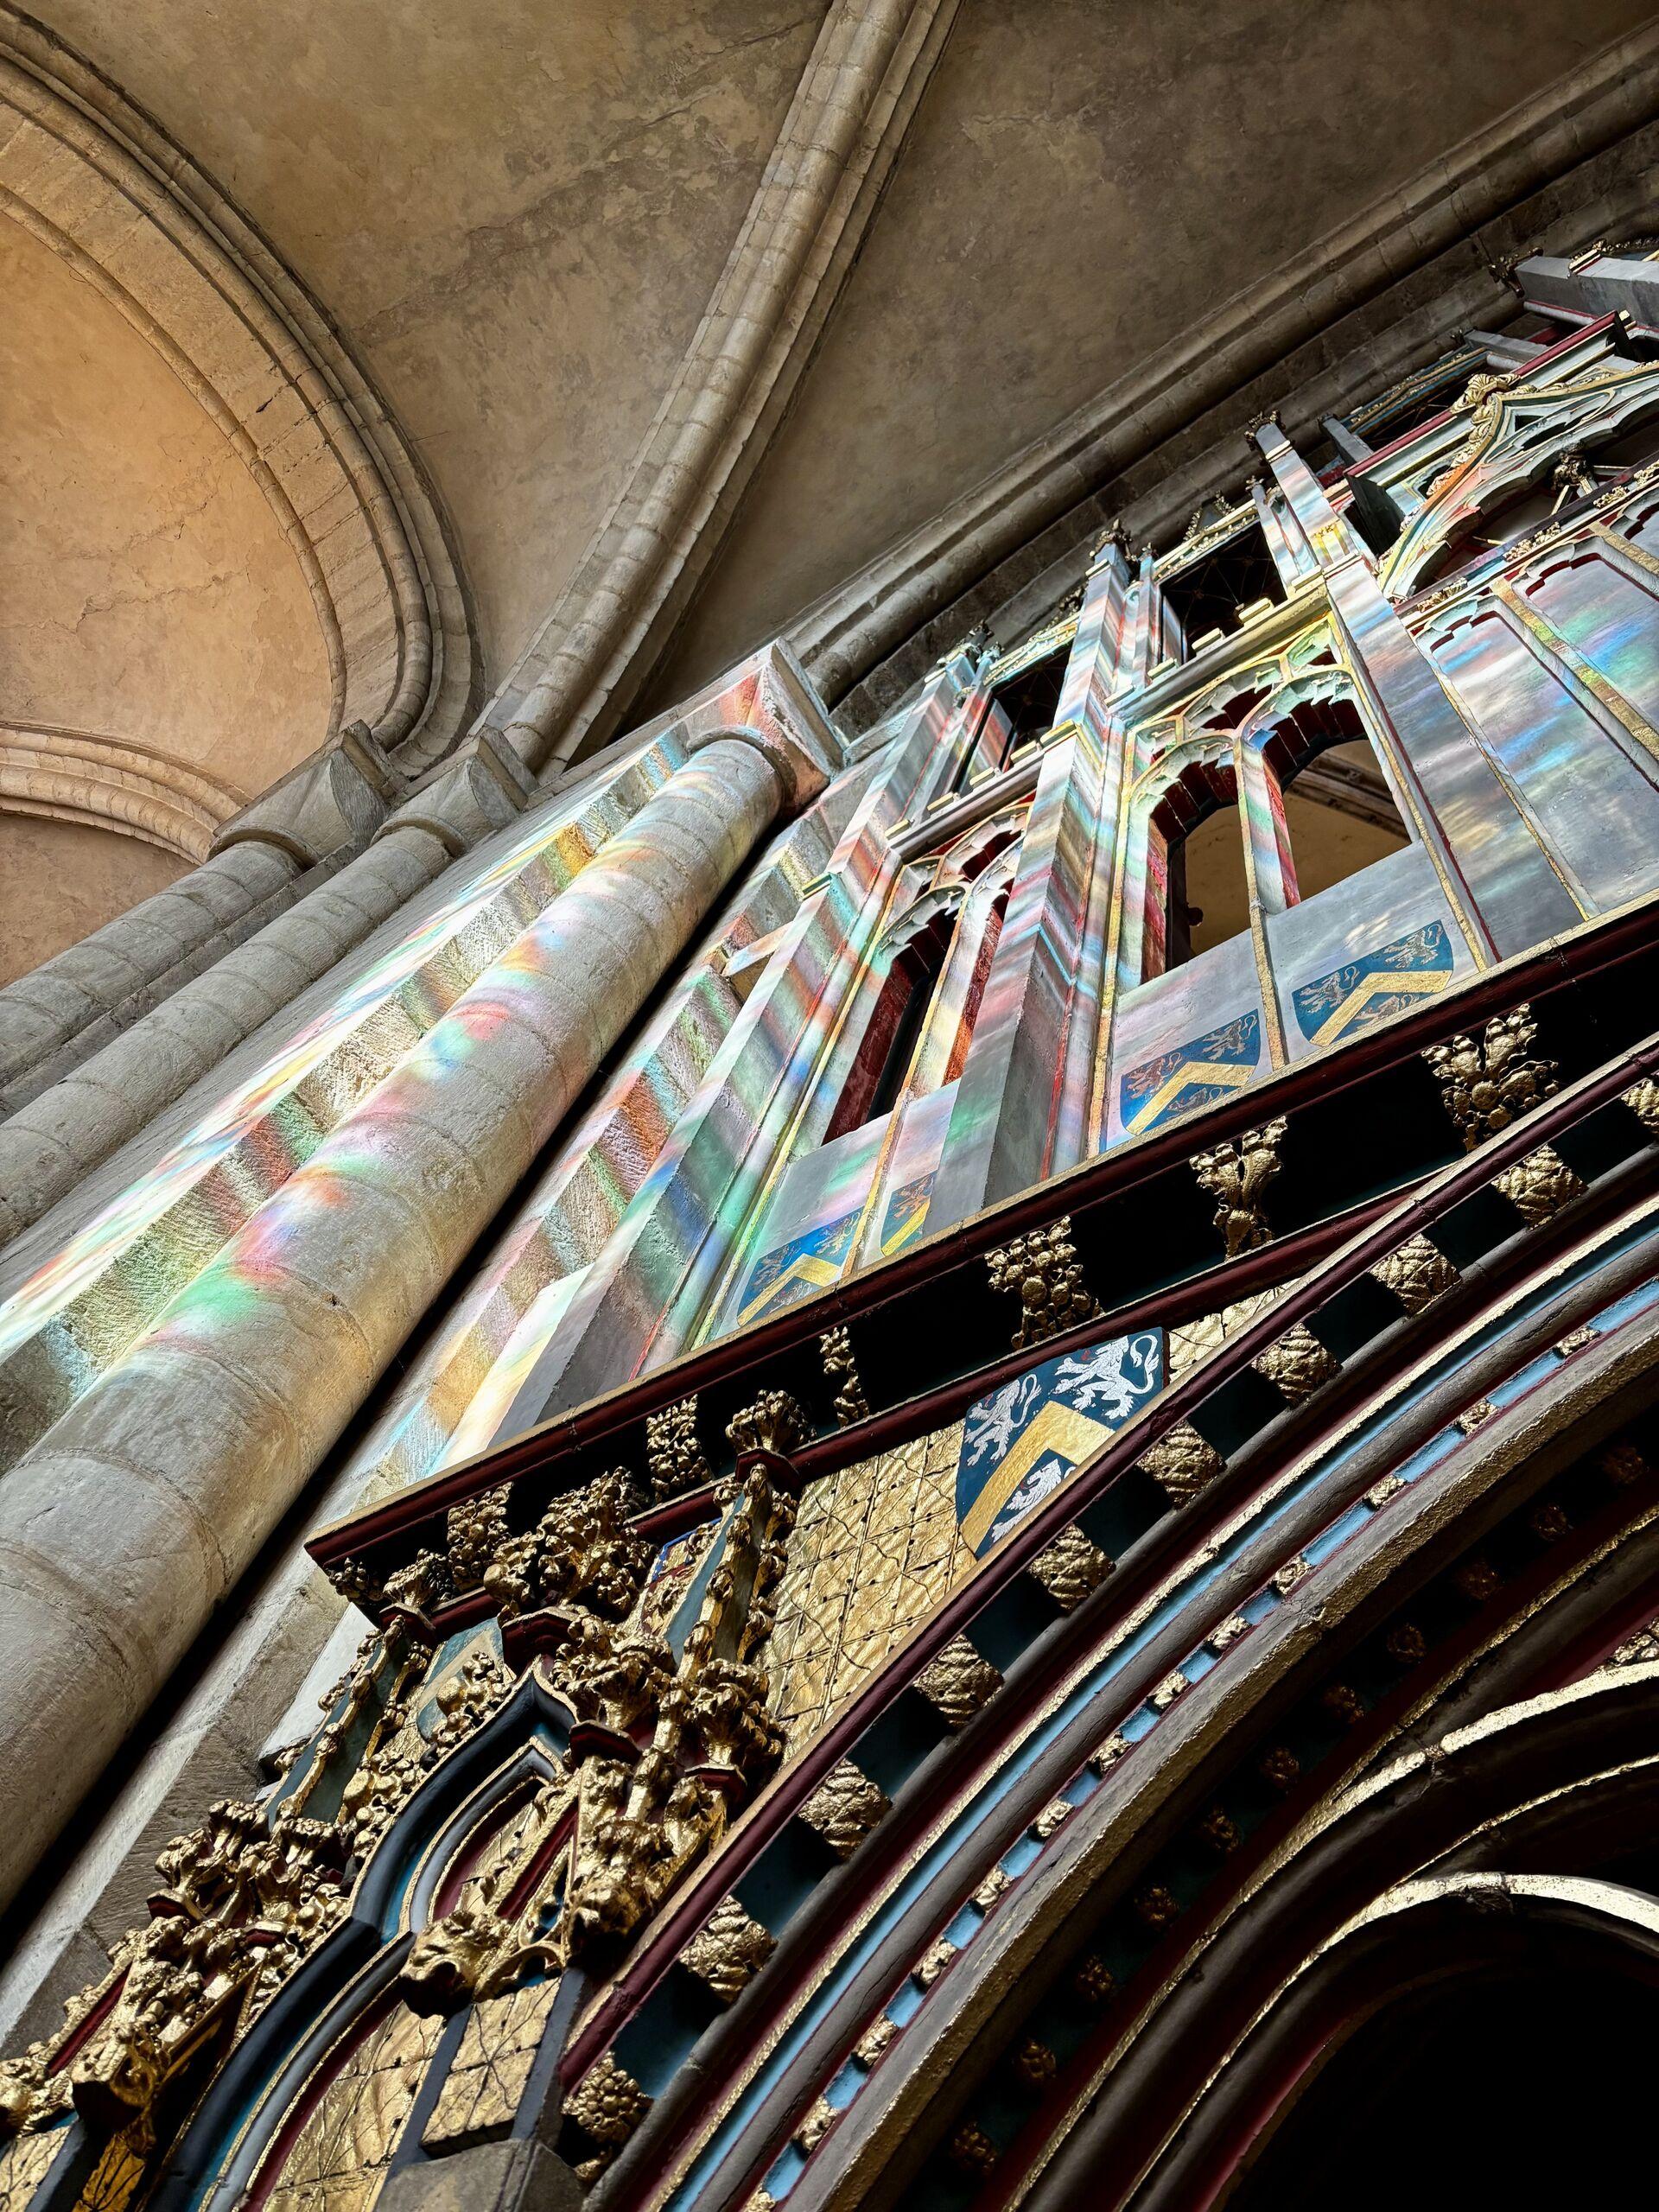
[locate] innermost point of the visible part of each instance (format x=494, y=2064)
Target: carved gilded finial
x=840, y=1366
x=674, y=1457
x=1489, y=1081
x=475, y=1529
x=1044, y=1271
x=1237, y=1173
x=775, y=1423
x=608, y=2104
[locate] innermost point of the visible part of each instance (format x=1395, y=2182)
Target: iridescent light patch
x=1024, y=1441
x=1201, y=1072
x=791, y=1272
x=1377, y=985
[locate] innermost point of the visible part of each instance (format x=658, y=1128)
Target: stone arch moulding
x=103, y=187
x=112, y=783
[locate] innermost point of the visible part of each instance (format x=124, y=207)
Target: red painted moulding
x=695, y=1908
x=750, y=1835
x=1537, y=976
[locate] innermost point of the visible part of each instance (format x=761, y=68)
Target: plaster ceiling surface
x=513, y=210
x=1084, y=180
x=147, y=591
x=149, y=604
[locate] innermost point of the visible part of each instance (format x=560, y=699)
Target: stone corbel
x=481, y=787
x=333, y=802
x=769, y=703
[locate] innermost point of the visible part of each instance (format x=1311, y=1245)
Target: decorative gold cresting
x=1489, y=1081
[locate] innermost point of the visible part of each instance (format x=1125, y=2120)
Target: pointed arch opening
x=1527, y=2088
x=895, y=1028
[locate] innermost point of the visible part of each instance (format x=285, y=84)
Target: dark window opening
x=889, y=1042
x=1030, y=699
x=1212, y=593
x=982, y=959
x=1339, y=811
x=1529, y=2090
x=1206, y=897
x=993, y=848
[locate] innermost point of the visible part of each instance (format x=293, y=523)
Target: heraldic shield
x=1025, y=1440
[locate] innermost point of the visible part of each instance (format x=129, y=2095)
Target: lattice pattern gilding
x=875, y=1546
x=339, y=2159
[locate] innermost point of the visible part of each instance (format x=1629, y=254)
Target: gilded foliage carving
x=956, y=1682
x=493, y=1939
x=674, y=1456
x=1540, y=1185
x=1044, y=1271
x=1070, y=1568
x=775, y=1423
x=1237, y=1173
x=844, y=1808
x=1182, y=1463
x=1417, y=1272
x=243, y=1901
x=728, y=1950
x=402, y=1756
x=670, y=1744
x=1488, y=1082
x=608, y=2104
x=1297, y=1363
x=841, y=1367
x=476, y=1530
x=580, y=1551
x=1642, y=1099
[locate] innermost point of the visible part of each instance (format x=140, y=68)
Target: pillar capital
x=334, y=800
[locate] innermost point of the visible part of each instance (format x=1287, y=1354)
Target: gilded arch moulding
x=102, y=186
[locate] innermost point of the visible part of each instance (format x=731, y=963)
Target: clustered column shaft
x=128, y=1525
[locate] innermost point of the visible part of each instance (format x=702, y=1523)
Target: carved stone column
x=128, y=1525
x=45, y=1010
x=70, y=1128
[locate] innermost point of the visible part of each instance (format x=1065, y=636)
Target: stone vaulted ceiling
x=514, y=213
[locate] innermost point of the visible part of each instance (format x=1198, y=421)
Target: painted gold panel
x=339, y=2159
x=874, y=1548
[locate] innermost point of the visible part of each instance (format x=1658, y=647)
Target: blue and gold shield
x=1386, y=981
x=808, y=1262
x=1201, y=1072
x=1026, y=1439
